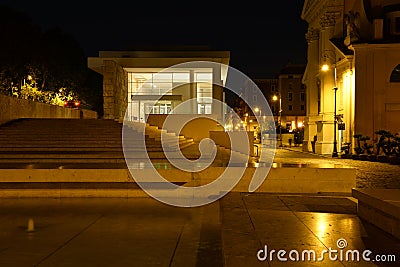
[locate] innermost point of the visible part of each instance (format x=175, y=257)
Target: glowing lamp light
x=325, y=67
x=77, y=104
x=275, y=98
x=300, y=125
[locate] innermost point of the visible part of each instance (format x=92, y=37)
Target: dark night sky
x=261, y=35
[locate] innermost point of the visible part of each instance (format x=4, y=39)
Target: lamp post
x=335, y=152
x=260, y=123
x=325, y=68
x=276, y=98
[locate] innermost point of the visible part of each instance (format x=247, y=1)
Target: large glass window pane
x=204, y=77
x=162, y=77
x=141, y=77
x=181, y=77
x=138, y=80
x=161, y=88
x=204, y=95
x=144, y=89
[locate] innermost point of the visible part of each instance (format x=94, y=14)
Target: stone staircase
x=82, y=141
x=85, y=158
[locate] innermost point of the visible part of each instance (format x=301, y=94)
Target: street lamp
x=276, y=98
x=258, y=110
x=325, y=68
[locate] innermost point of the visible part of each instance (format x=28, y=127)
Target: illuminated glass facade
x=141, y=83
x=160, y=93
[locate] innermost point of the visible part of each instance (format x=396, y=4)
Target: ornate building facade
x=352, y=60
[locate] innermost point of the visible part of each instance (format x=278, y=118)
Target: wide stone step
x=73, y=149
x=97, y=160
x=64, y=141
x=380, y=207
x=48, y=155
x=94, y=144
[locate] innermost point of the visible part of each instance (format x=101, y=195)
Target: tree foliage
x=53, y=59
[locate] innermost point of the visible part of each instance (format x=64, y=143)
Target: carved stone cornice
x=312, y=34
x=307, y=6
x=313, y=9
x=329, y=19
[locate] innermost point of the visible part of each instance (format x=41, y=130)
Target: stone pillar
x=325, y=126
x=108, y=89
x=193, y=93
x=217, y=94
x=312, y=88
x=115, y=90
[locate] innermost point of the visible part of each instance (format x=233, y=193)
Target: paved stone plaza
x=230, y=232
x=144, y=232
x=369, y=174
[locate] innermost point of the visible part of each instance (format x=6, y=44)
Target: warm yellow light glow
x=325, y=67
x=275, y=98
x=30, y=77
x=251, y=120
x=256, y=109
x=322, y=222
x=300, y=124
x=247, y=114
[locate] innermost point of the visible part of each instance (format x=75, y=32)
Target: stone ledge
x=380, y=207
x=278, y=180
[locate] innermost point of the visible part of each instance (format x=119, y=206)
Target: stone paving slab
x=380, y=207
x=144, y=232
x=289, y=222
x=385, y=200
x=106, y=232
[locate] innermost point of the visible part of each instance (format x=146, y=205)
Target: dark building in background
x=285, y=93
x=292, y=93
x=269, y=88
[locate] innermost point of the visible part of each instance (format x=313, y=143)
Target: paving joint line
x=252, y=224
x=312, y=232
x=69, y=240
x=176, y=246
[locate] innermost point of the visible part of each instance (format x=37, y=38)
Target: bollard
x=31, y=226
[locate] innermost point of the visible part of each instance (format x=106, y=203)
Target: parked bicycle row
x=385, y=148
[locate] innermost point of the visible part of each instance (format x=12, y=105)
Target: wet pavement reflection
x=144, y=232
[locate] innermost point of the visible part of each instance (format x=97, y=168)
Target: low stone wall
x=223, y=139
x=102, y=182
x=12, y=108
x=380, y=207
x=197, y=128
